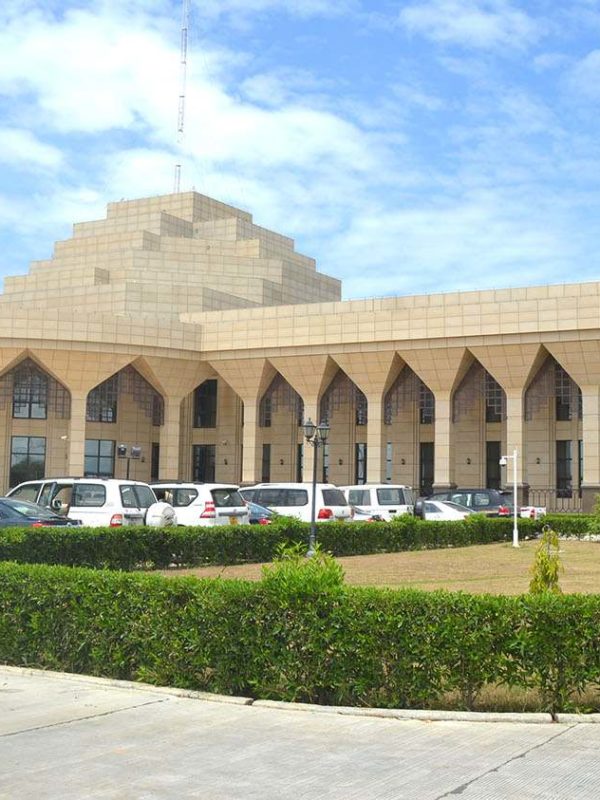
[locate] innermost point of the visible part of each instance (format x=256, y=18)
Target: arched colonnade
x=429, y=417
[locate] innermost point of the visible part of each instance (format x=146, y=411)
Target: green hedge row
x=290, y=640
x=129, y=548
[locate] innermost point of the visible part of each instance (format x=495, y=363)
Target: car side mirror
x=419, y=509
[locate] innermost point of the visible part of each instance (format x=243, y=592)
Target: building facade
x=179, y=328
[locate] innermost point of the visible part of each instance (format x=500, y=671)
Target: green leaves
x=300, y=634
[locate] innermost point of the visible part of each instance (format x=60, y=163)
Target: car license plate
x=233, y=520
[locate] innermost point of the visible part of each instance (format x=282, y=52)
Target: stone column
x=169, y=466
x=250, y=465
x=442, y=474
x=311, y=411
x=515, y=441
x=374, y=437
x=590, y=486
x=76, y=448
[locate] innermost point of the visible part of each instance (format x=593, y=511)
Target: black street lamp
x=315, y=435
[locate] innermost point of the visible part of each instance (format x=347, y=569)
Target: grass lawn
x=491, y=568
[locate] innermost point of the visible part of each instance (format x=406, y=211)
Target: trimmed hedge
x=130, y=548
x=285, y=640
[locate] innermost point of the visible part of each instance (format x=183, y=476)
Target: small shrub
x=546, y=566
x=293, y=573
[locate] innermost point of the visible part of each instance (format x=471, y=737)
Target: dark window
x=265, y=469
x=494, y=399
x=205, y=405
x=265, y=415
x=30, y=393
x=27, y=458
x=580, y=455
x=299, y=462
x=564, y=476
x=426, y=468
x=360, y=463
x=493, y=475
x=158, y=410
x=362, y=416
x=203, y=463
x=102, y=401
x=99, y=458
x=155, y=461
x=563, y=394
x=426, y=405
x=325, y=449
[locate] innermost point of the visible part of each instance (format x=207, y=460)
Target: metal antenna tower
x=185, y=18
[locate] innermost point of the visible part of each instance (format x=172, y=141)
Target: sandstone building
x=179, y=327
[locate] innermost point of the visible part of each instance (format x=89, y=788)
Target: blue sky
x=410, y=147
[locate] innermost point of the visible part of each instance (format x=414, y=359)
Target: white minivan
x=295, y=500
x=382, y=501
x=203, y=503
x=98, y=501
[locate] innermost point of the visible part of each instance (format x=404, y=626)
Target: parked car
x=381, y=501
x=295, y=500
x=259, y=515
x=203, y=503
x=532, y=512
x=21, y=514
x=97, y=501
x=440, y=510
x=491, y=502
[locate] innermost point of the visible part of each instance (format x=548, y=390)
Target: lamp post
x=316, y=435
x=503, y=463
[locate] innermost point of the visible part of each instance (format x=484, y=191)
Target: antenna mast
x=185, y=18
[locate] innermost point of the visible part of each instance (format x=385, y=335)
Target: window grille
x=280, y=395
x=342, y=391
x=25, y=384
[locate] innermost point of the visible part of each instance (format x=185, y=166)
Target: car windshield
x=27, y=492
x=334, y=497
x=137, y=496
x=359, y=497
x=392, y=496
x=228, y=497
x=29, y=510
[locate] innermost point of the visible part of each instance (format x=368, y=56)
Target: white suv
x=295, y=500
x=203, y=503
x=379, y=500
x=98, y=501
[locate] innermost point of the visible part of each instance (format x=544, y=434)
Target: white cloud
x=471, y=23
x=584, y=77
x=296, y=8
x=479, y=242
x=23, y=148
x=87, y=72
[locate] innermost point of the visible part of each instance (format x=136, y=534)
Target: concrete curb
x=423, y=715
x=414, y=714
x=140, y=687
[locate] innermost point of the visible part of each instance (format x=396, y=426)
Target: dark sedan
x=21, y=514
x=259, y=515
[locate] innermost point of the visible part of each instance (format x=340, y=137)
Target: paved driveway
x=75, y=738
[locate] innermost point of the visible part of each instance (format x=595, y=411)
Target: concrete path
x=75, y=738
